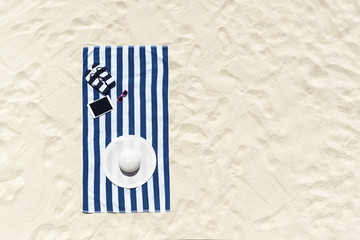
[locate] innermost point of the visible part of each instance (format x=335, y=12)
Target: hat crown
x=129, y=161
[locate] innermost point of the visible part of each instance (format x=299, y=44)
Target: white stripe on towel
x=160, y=127
x=139, y=200
x=148, y=120
x=126, y=116
x=113, y=93
x=102, y=130
x=91, y=140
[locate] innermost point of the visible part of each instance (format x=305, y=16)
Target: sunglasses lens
x=120, y=99
x=125, y=93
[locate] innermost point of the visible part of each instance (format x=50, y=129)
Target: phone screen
x=101, y=106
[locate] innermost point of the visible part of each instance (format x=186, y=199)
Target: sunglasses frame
x=124, y=94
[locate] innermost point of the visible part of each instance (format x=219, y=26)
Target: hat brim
x=147, y=163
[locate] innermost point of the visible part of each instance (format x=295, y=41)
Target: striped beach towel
x=144, y=72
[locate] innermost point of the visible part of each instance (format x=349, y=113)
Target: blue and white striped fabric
x=144, y=72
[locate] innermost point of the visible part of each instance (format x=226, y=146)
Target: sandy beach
x=264, y=118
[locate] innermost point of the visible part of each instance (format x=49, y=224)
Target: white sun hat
x=129, y=161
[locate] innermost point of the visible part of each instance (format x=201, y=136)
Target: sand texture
x=264, y=117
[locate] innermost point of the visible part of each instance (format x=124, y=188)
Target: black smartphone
x=100, y=106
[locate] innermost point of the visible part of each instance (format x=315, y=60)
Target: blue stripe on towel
x=119, y=90
x=96, y=147
x=143, y=117
x=85, y=134
x=109, y=205
x=166, y=127
x=131, y=91
x=131, y=115
x=154, y=124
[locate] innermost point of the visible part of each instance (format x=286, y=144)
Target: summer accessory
x=92, y=78
x=121, y=97
x=129, y=161
x=100, y=106
x=104, y=75
x=99, y=78
x=144, y=72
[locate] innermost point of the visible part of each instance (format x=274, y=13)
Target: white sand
x=264, y=107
